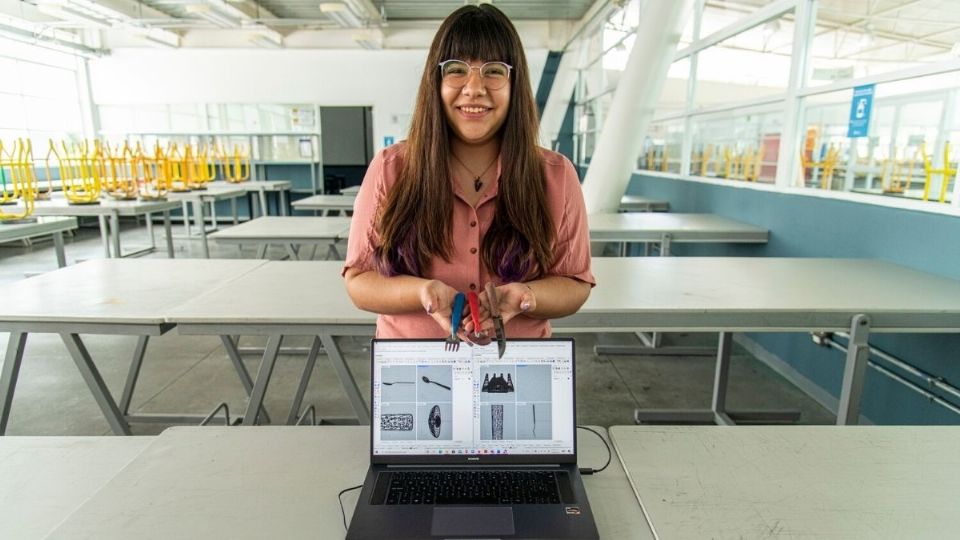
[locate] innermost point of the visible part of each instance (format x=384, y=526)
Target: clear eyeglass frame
x=491, y=79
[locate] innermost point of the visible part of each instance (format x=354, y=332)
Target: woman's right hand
x=437, y=299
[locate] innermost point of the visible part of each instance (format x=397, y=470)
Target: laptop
x=465, y=444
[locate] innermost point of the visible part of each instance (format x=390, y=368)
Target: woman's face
x=475, y=112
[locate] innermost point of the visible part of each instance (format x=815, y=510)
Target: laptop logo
x=473, y=459
x=572, y=510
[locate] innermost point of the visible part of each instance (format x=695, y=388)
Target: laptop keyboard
x=476, y=487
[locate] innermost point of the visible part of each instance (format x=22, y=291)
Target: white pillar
x=560, y=94
x=633, y=104
x=793, y=132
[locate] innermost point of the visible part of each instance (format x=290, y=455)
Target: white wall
x=386, y=80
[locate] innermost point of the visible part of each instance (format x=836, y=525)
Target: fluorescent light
x=266, y=37
x=339, y=13
x=36, y=39
x=207, y=13
x=67, y=14
x=159, y=36
x=372, y=40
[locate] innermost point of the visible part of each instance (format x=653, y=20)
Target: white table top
x=326, y=202
x=115, y=291
x=46, y=478
x=253, y=185
x=764, y=293
x=210, y=194
x=352, y=190
x=39, y=226
x=795, y=481
x=275, y=482
x=291, y=229
x=651, y=226
x=655, y=293
x=636, y=202
x=58, y=206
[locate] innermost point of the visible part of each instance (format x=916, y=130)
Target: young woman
x=469, y=198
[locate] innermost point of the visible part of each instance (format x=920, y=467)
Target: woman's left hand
x=514, y=299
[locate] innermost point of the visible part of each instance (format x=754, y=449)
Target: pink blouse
x=465, y=271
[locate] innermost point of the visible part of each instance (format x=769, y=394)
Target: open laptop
x=464, y=444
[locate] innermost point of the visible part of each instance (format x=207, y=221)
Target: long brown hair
x=415, y=224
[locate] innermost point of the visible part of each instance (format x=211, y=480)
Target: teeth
x=474, y=109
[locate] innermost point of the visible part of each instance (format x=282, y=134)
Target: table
x=794, y=481
x=197, y=198
x=706, y=294
x=290, y=231
x=109, y=212
x=46, y=478
x=33, y=227
x=105, y=296
x=746, y=294
x=277, y=482
x=261, y=188
x=326, y=203
x=666, y=228
x=635, y=203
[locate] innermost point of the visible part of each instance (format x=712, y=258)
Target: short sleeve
x=363, y=238
x=572, y=247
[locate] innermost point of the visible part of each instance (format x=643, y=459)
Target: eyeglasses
x=494, y=75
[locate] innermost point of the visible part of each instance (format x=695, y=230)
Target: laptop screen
x=471, y=406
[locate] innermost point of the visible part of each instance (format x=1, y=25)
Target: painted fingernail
x=525, y=306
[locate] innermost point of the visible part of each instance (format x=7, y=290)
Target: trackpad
x=472, y=521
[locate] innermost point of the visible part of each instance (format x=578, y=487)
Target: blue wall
x=803, y=226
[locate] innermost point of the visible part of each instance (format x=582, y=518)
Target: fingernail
x=430, y=308
x=525, y=306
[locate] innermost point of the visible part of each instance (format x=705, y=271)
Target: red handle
x=474, y=302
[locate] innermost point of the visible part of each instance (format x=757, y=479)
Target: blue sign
x=387, y=140
x=860, y=111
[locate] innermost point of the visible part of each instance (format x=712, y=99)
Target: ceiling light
x=158, y=36
x=67, y=14
x=339, y=13
x=266, y=37
x=332, y=7
x=204, y=11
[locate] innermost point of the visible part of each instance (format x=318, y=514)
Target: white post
x=805, y=18
x=633, y=103
x=560, y=93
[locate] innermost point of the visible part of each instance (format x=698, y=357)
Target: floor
x=190, y=374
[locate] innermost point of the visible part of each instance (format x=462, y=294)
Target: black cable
x=588, y=470
x=342, y=511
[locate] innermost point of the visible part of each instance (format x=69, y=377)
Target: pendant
x=477, y=184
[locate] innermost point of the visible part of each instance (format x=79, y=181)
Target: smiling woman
x=470, y=198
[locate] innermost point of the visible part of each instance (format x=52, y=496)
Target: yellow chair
x=148, y=174
x=120, y=182
x=829, y=157
x=235, y=167
x=946, y=172
x=171, y=168
x=19, y=182
x=80, y=172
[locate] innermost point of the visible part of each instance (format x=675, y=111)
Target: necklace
x=477, y=183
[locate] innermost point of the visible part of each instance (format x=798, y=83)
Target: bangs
x=478, y=35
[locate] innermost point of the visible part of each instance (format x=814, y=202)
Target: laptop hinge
x=476, y=465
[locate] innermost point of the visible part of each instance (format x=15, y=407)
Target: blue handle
x=457, y=314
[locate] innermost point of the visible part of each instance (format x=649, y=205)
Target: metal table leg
x=95, y=382
x=198, y=210
x=263, y=379
x=115, y=234
x=346, y=378
x=168, y=231
x=185, y=203
x=283, y=202
x=153, y=239
x=8, y=377
x=233, y=209
x=304, y=381
x=58, y=247
x=234, y=353
x=104, y=234
x=264, y=209
x=133, y=374
x=854, y=372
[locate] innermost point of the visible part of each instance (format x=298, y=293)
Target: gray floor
x=188, y=374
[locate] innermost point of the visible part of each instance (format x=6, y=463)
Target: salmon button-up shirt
x=465, y=270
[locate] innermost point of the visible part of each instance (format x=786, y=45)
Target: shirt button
x=473, y=250
x=473, y=286
x=473, y=223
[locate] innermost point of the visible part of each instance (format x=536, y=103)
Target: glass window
x=737, y=145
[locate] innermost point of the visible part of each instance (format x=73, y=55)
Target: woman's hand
x=437, y=299
x=513, y=299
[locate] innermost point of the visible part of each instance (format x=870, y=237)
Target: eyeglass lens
x=494, y=74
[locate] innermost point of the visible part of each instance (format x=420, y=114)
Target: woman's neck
x=476, y=155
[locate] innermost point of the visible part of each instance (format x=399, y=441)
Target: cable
x=342, y=511
x=589, y=470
